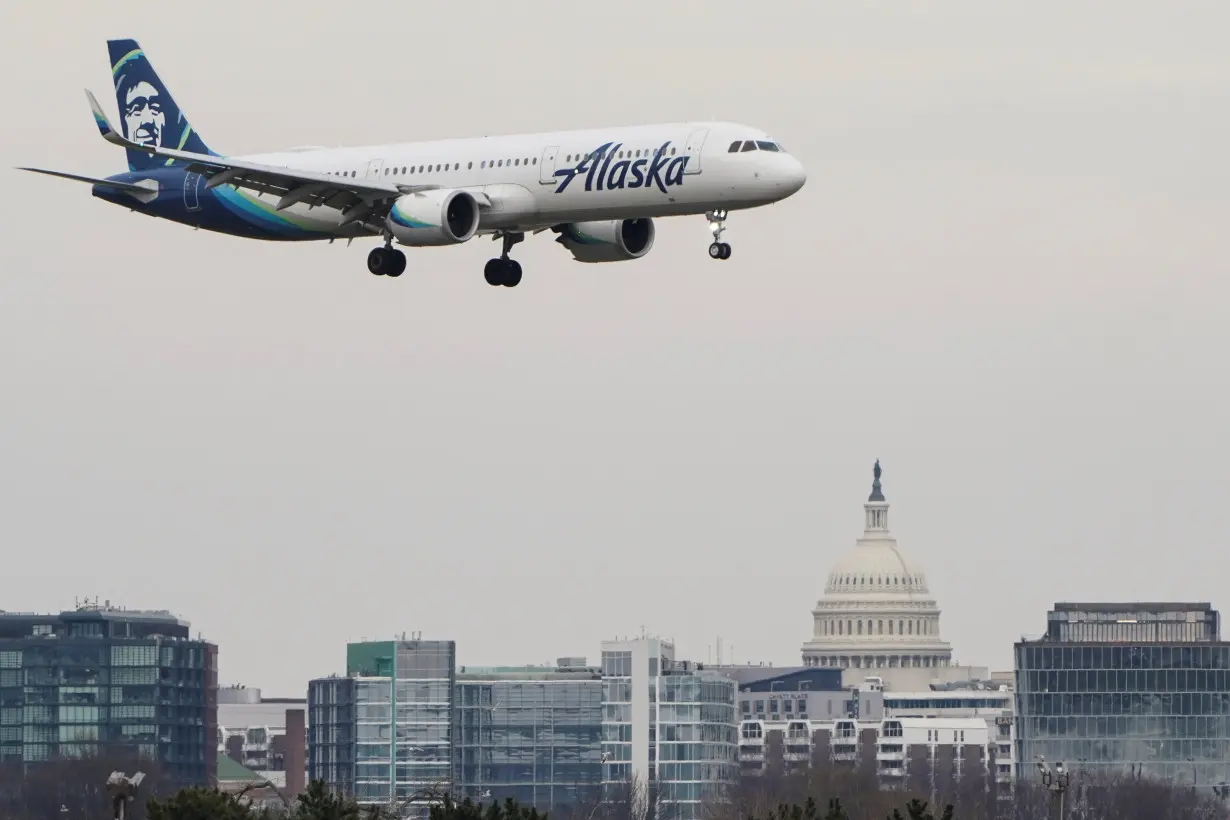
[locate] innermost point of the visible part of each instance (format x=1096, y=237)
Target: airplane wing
x=358, y=199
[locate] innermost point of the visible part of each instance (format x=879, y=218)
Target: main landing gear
x=504, y=271
x=386, y=261
x=717, y=224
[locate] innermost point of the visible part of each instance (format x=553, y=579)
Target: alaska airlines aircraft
x=598, y=190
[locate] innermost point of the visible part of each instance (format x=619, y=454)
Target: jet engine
x=436, y=217
x=615, y=241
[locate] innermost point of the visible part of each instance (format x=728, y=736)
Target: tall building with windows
x=385, y=731
x=98, y=678
x=1142, y=686
x=532, y=733
x=669, y=728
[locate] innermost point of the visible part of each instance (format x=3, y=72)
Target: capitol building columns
x=876, y=613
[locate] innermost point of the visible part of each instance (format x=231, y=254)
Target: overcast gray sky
x=1006, y=278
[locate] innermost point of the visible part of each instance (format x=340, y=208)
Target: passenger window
x=517, y=162
x=750, y=145
x=735, y=146
x=469, y=166
x=535, y=162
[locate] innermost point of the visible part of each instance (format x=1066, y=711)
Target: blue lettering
x=585, y=165
x=638, y=176
x=674, y=174
x=657, y=166
x=610, y=155
x=602, y=172
x=618, y=172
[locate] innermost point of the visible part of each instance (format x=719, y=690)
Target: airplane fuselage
x=531, y=181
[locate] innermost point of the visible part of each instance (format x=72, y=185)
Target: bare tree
x=74, y=786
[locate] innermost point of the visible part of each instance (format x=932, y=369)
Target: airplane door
x=192, y=192
x=374, y=167
x=695, y=141
x=546, y=166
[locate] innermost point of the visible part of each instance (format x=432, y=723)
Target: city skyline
x=1005, y=278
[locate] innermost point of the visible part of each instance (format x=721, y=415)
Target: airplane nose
x=795, y=176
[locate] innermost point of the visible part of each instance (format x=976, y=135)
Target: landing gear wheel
x=512, y=273
x=506, y=272
x=380, y=261
x=493, y=272
x=717, y=224
x=399, y=262
x=502, y=270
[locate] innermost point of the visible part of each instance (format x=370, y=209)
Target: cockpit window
x=749, y=145
x=766, y=146
x=735, y=146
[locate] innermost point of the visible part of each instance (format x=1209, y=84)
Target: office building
x=669, y=728
x=1143, y=686
x=100, y=679
x=532, y=733
x=384, y=733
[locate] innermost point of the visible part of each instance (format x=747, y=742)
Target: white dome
x=876, y=611
x=875, y=569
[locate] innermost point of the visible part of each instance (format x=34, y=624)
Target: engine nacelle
x=615, y=241
x=438, y=217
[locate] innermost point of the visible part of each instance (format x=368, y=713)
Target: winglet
x=104, y=125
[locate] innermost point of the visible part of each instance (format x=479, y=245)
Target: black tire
x=378, y=262
x=399, y=263
x=493, y=272
x=715, y=250
x=512, y=273
x=725, y=250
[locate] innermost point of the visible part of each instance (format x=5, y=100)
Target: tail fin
x=148, y=112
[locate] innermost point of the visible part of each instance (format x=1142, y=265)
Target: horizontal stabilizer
x=126, y=187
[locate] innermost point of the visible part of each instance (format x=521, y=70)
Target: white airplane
x=598, y=189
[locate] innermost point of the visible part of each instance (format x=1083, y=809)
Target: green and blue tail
x=148, y=112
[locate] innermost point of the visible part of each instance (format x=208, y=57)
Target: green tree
x=203, y=804
x=318, y=803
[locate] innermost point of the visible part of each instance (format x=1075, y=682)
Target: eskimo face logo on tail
x=604, y=172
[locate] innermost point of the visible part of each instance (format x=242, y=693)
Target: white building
x=988, y=701
x=923, y=752
x=877, y=616
x=668, y=723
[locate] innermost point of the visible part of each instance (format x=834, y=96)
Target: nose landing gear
x=717, y=224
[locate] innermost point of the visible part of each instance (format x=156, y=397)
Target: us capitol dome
x=876, y=612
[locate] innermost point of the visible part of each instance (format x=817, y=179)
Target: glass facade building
x=669, y=727
x=529, y=733
x=331, y=732
x=1137, y=685
x=99, y=678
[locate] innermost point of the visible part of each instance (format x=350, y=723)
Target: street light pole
x=123, y=790
x=1055, y=782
